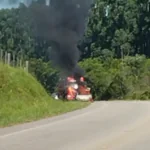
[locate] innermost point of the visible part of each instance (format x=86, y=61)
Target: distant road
x=116, y=125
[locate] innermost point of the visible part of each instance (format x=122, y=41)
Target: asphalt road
x=114, y=125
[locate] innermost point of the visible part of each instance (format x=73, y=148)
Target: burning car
x=72, y=89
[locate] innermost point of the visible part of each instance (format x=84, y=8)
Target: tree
x=113, y=25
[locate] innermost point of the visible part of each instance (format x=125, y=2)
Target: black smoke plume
x=62, y=24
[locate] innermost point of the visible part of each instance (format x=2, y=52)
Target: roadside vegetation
x=127, y=79
x=115, y=54
x=23, y=99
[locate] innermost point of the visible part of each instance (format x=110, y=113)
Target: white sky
x=7, y=4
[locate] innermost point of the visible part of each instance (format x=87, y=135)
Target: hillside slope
x=23, y=99
x=15, y=84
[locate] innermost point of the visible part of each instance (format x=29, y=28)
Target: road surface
x=116, y=125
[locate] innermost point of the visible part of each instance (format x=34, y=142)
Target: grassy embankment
x=23, y=99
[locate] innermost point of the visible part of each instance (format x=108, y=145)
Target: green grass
x=23, y=99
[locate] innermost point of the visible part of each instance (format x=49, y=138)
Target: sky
x=14, y=3
x=11, y=3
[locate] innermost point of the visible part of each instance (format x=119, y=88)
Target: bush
x=118, y=79
x=99, y=78
x=45, y=73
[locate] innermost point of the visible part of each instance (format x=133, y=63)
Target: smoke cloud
x=62, y=23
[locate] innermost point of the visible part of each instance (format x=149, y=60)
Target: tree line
x=114, y=49
x=118, y=28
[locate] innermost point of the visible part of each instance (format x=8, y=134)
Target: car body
x=71, y=89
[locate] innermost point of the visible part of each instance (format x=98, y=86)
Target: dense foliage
x=115, y=48
x=119, y=79
x=118, y=28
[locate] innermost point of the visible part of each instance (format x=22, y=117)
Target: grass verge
x=14, y=112
x=23, y=99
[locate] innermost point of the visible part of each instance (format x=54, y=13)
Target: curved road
x=116, y=125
